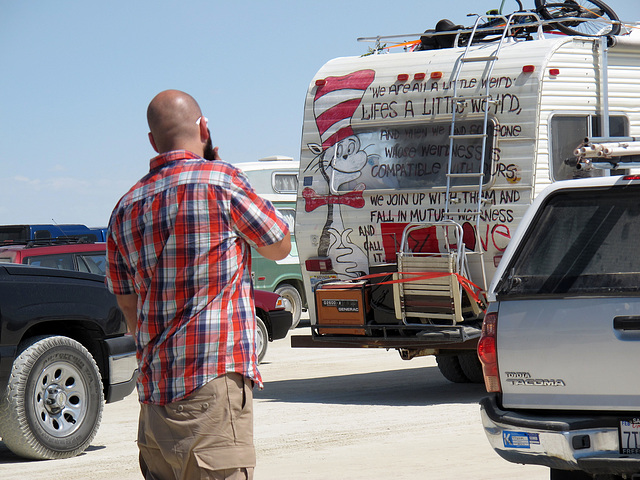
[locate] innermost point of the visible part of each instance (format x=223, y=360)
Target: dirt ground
x=325, y=414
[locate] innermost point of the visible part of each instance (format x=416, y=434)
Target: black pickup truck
x=64, y=351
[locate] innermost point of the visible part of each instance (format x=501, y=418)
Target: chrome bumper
x=565, y=442
x=123, y=367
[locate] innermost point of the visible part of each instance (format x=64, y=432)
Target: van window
x=569, y=131
x=582, y=242
x=289, y=215
x=285, y=182
x=416, y=156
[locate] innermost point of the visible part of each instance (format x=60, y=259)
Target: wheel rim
x=60, y=399
x=259, y=341
x=290, y=304
x=597, y=17
x=292, y=301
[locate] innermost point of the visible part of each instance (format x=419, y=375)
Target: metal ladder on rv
x=440, y=300
x=485, y=98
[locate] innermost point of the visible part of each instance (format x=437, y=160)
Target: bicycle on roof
x=590, y=18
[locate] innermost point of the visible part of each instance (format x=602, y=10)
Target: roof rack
x=47, y=242
x=484, y=34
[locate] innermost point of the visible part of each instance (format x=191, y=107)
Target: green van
x=276, y=179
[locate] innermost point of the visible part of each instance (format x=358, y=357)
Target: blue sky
x=77, y=76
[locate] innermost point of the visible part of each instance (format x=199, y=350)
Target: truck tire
x=555, y=474
x=449, y=366
x=53, y=403
x=471, y=367
x=262, y=339
x=291, y=294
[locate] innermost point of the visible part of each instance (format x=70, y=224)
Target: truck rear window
x=583, y=241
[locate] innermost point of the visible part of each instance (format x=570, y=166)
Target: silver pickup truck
x=561, y=338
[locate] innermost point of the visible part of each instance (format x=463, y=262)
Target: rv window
x=617, y=126
x=410, y=157
x=285, y=182
x=569, y=131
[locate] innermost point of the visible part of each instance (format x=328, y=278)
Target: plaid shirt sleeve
x=255, y=218
x=118, y=278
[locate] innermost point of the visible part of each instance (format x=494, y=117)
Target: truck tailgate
x=586, y=363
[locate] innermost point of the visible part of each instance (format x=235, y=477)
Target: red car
x=82, y=257
x=272, y=318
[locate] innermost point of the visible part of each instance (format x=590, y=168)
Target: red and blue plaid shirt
x=178, y=239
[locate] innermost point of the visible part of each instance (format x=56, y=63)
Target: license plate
x=630, y=436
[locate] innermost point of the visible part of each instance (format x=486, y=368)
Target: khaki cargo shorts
x=208, y=435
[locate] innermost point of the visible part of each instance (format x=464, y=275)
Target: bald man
x=178, y=252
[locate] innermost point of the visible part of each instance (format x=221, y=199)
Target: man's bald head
x=172, y=117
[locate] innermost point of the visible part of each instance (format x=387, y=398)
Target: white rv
x=416, y=167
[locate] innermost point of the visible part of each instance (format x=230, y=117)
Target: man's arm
x=129, y=306
x=276, y=251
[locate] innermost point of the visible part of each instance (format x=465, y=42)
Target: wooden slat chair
x=433, y=300
x=440, y=300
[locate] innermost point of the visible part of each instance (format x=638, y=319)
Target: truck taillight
x=488, y=353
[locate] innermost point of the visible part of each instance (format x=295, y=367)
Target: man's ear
x=153, y=142
x=204, y=129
